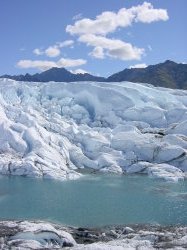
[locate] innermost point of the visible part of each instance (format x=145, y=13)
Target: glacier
x=51, y=130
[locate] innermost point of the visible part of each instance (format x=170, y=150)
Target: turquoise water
x=94, y=200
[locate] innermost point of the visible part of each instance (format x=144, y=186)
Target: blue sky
x=39, y=34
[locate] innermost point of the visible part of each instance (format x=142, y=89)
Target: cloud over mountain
x=114, y=48
x=53, y=50
x=109, y=21
x=44, y=65
x=93, y=31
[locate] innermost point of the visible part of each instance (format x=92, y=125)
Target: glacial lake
x=94, y=200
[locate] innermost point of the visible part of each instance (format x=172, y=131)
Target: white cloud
x=38, y=52
x=97, y=52
x=111, y=47
x=79, y=71
x=145, y=13
x=52, y=51
x=103, y=24
x=66, y=62
x=109, y=21
x=66, y=43
x=126, y=52
x=138, y=66
x=93, y=31
x=44, y=65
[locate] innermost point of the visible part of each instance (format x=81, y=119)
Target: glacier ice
x=50, y=130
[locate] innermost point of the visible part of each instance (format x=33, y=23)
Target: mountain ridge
x=56, y=75
x=168, y=74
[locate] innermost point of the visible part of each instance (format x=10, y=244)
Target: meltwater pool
x=94, y=200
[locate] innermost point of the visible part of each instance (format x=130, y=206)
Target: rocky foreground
x=22, y=235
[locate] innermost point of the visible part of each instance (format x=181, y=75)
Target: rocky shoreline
x=43, y=235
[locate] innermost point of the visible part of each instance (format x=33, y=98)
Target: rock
x=128, y=230
x=20, y=235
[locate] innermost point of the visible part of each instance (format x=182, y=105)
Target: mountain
x=168, y=74
x=56, y=75
x=27, y=77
